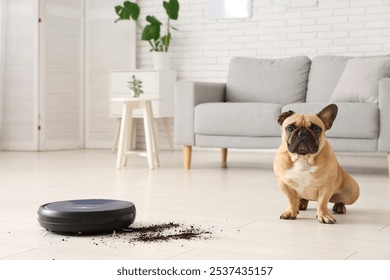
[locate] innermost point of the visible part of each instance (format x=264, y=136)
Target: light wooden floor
x=240, y=204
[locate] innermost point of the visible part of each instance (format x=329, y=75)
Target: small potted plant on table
x=136, y=87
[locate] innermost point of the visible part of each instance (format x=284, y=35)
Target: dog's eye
x=290, y=128
x=316, y=129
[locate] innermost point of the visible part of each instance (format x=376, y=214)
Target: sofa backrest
x=278, y=81
x=325, y=72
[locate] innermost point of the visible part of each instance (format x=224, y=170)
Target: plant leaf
x=128, y=11
x=151, y=32
x=172, y=9
x=153, y=20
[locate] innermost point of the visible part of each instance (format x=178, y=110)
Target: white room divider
x=58, y=55
x=61, y=104
x=20, y=96
x=2, y=32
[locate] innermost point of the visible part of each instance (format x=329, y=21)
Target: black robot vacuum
x=86, y=216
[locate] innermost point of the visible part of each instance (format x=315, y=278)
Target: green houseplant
x=152, y=31
x=136, y=86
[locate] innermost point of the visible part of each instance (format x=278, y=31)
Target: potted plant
x=136, y=86
x=152, y=31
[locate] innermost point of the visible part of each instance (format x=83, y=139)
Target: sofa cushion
x=277, y=81
x=354, y=120
x=360, y=80
x=237, y=119
x=325, y=72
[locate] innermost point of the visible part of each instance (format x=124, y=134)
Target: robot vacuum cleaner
x=86, y=216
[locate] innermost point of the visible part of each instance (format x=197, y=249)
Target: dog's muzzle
x=302, y=142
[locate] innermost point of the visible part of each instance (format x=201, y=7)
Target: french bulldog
x=306, y=167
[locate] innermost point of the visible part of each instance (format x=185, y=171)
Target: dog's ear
x=328, y=115
x=284, y=116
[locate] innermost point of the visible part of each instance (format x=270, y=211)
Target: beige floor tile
x=239, y=204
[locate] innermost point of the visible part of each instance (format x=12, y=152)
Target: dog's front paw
x=289, y=215
x=325, y=218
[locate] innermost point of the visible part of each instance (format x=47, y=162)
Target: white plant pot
x=133, y=94
x=160, y=60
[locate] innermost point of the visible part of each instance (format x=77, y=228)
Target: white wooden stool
x=167, y=128
x=126, y=131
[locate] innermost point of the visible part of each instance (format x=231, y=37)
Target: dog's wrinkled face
x=304, y=134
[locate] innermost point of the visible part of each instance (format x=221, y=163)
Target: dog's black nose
x=303, y=133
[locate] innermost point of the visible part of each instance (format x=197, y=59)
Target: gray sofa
x=243, y=112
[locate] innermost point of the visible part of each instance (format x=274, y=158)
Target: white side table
x=126, y=130
x=157, y=83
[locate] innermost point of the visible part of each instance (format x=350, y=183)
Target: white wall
x=203, y=47
x=109, y=46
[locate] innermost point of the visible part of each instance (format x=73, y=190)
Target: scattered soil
x=153, y=228
x=164, y=232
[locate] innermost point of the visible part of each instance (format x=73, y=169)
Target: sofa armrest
x=384, y=115
x=188, y=95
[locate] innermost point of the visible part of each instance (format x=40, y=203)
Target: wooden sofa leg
x=388, y=162
x=187, y=152
x=224, y=153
